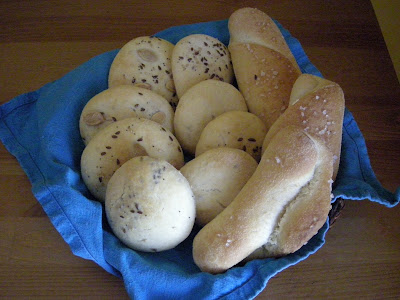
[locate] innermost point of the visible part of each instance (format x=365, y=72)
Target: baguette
x=263, y=64
x=316, y=105
x=284, y=204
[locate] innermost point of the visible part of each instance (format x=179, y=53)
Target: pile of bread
x=173, y=142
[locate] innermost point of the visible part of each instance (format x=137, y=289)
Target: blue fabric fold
x=41, y=130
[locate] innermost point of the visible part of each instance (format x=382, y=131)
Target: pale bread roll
x=149, y=205
x=146, y=62
x=198, y=57
x=115, y=144
x=235, y=129
x=264, y=66
x=216, y=177
x=201, y=103
x=121, y=102
x=284, y=204
x=316, y=105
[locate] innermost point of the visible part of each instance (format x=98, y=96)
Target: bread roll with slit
x=317, y=106
x=263, y=64
x=284, y=204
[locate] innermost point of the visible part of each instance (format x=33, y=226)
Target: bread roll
x=216, y=177
x=235, y=129
x=263, y=64
x=199, y=57
x=317, y=106
x=149, y=205
x=202, y=103
x=284, y=203
x=121, y=102
x=146, y=62
x=115, y=144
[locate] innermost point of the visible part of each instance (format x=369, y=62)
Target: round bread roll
x=200, y=104
x=198, y=57
x=216, y=177
x=121, y=102
x=115, y=144
x=234, y=129
x=149, y=205
x=146, y=62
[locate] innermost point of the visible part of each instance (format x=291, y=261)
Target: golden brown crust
x=319, y=111
x=250, y=25
x=265, y=68
x=286, y=167
x=265, y=78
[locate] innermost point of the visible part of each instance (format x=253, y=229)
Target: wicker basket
x=337, y=208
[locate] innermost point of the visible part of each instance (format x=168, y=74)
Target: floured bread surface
x=199, y=57
x=121, y=102
x=265, y=78
x=235, y=129
x=264, y=66
x=287, y=171
x=317, y=106
x=145, y=62
x=216, y=177
x=202, y=103
x=252, y=26
x=111, y=147
x=149, y=205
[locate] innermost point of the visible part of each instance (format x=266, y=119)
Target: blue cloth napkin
x=41, y=130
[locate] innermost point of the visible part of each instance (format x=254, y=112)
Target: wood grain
x=41, y=41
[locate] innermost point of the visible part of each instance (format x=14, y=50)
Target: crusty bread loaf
x=317, y=106
x=264, y=66
x=282, y=206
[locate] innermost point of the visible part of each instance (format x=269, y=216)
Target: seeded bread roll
x=111, y=147
x=121, y=102
x=149, y=205
x=201, y=103
x=265, y=68
x=216, y=177
x=145, y=62
x=284, y=203
x=199, y=57
x=235, y=129
x=317, y=106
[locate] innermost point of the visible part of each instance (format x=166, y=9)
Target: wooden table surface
x=40, y=41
